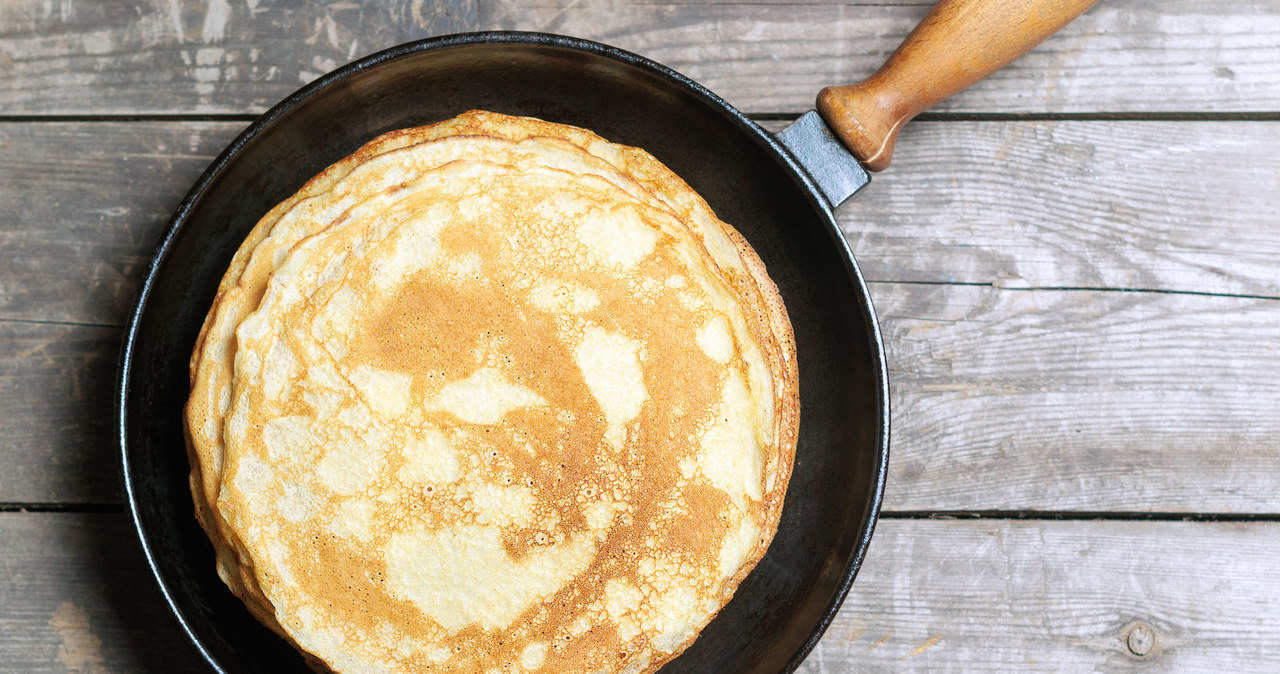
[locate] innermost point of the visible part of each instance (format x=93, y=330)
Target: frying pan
x=779, y=193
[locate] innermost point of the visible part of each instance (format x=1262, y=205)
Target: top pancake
x=492, y=394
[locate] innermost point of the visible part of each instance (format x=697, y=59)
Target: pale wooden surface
x=228, y=56
x=1076, y=266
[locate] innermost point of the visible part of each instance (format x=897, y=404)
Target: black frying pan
x=748, y=177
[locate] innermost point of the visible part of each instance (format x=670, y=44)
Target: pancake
x=493, y=394
x=212, y=373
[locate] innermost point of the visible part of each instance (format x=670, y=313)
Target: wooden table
x=1076, y=265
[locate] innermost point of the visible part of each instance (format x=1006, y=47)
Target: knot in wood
x=1141, y=639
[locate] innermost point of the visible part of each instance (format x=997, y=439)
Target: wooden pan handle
x=958, y=43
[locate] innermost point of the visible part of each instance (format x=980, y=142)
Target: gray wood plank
x=95, y=198
x=184, y=56
x=1168, y=206
x=119, y=57
x=1081, y=400
x=1002, y=399
x=77, y=597
x=1152, y=205
x=1122, y=55
x=56, y=397
x=1044, y=596
x=933, y=596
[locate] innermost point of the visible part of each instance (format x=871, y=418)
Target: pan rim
x=229, y=154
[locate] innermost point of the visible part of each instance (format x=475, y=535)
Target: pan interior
x=783, y=606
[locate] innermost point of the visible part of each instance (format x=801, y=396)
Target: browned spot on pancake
x=355, y=599
x=702, y=525
x=426, y=324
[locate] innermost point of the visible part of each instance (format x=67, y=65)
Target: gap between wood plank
x=160, y=117
x=62, y=508
x=1157, y=291
x=1076, y=516
x=1085, y=289
x=1192, y=116
x=78, y=324
x=1030, y=515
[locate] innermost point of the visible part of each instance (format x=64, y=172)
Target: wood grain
x=1002, y=399
x=1081, y=400
x=1122, y=55
x=56, y=384
x=125, y=57
x=95, y=199
x=78, y=597
x=1171, y=206
x=187, y=56
x=1042, y=596
x=1015, y=204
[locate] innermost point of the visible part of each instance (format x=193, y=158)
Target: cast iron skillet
x=783, y=607
x=750, y=179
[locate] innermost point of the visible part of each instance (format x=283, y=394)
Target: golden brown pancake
x=493, y=394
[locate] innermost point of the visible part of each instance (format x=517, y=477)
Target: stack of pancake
x=493, y=394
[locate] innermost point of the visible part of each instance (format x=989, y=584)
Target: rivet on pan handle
x=958, y=43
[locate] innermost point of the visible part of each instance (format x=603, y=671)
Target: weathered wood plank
x=124, y=56
x=94, y=201
x=130, y=56
x=1126, y=55
x=1182, y=206
x=1002, y=399
x=77, y=597
x=1171, y=206
x=56, y=442
x=1081, y=400
x=1014, y=596
x=933, y=596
